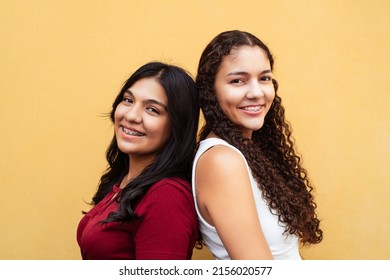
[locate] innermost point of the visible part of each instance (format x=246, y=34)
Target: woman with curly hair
x=253, y=197
x=144, y=208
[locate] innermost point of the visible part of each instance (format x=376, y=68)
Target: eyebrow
x=246, y=73
x=149, y=101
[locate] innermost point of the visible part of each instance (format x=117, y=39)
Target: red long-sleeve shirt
x=167, y=230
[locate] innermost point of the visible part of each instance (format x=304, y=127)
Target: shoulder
x=221, y=157
x=221, y=169
x=166, y=198
x=167, y=192
x=172, y=183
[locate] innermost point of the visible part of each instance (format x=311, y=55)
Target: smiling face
x=244, y=89
x=141, y=119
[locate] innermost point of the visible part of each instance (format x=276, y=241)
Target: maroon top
x=167, y=230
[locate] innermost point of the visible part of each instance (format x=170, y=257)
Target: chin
x=256, y=127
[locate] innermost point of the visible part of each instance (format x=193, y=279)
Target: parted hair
x=174, y=159
x=270, y=152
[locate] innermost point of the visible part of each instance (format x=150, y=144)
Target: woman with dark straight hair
x=253, y=197
x=143, y=208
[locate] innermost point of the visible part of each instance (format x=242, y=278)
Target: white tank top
x=282, y=246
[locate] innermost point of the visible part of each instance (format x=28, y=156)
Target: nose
x=133, y=115
x=254, y=90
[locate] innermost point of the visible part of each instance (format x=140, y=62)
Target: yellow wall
x=63, y=62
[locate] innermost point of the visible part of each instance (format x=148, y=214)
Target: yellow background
x=63, y=62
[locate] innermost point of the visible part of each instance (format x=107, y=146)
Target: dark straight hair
x=175, y=159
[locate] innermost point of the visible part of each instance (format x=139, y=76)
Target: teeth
x=252, y=108
x=131, y=132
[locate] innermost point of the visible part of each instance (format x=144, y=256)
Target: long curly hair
x=270, y=152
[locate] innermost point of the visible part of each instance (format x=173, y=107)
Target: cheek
x=218, y=96
x=166, y=135
x=225, y=106
x=227, y=98
x=161, y=127
x=117, y=115
x=166, y=129
x=270, y=94
x=162, y=134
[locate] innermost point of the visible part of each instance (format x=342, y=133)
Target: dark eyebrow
x=246, y=73
x=153, y=101
x=129, y=92
x=149, y=101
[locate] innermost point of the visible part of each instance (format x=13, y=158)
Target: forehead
x=148, y=89
x=244, y=57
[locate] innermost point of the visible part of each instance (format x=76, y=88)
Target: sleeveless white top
x=282, y=246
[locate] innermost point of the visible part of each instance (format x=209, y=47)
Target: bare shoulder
x=221, y=170
x=221, y=158
x=225, y=200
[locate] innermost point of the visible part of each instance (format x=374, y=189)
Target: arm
x=225, y=199
x=169, y=227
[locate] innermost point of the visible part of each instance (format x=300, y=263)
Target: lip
x=130, y=132
x=252, y=109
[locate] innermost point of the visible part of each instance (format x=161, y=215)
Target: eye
x=266, y=78
x=153, y=110
x=237, y=81
x=127, y=99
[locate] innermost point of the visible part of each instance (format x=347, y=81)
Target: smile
x=131, y=132
x=252, y=108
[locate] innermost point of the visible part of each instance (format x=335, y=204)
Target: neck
x=136, y=166
x=212, y=135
